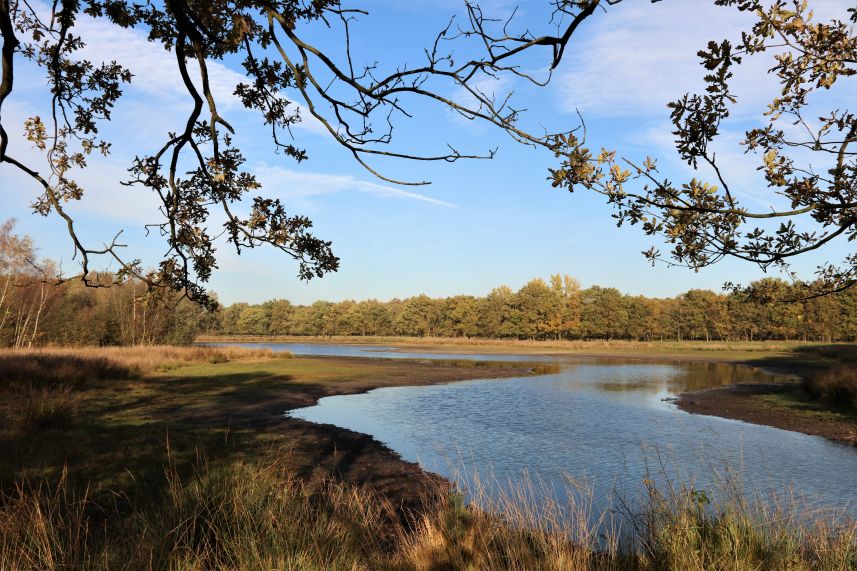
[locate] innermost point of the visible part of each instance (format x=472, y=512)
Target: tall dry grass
x=258, y=517
x=241, y=517
x=681, y=527
x=836, y=386
x=48, y=385
x=76, y=366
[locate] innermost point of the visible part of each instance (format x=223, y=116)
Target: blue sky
x=480, y=223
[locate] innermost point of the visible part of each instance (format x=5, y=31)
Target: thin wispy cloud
x=288, y=183
x=639, y=56
x=155, y=72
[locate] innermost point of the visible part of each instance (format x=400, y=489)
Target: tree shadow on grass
x=807, y=359
x=844, y=353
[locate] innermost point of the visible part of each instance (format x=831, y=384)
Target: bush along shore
x=125, y=458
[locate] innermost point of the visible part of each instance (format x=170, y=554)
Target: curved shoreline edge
x=771, y=404
x=320, y=449
x=361, y=458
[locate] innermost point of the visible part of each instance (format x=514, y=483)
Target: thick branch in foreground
x=198, y=171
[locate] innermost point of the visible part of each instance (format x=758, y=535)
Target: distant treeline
x=560, y=309
x=36, y=311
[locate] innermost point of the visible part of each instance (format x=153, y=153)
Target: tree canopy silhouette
x=198, y=169
x=806, y=156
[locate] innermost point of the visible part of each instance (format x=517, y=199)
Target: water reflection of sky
x=600, y=420
x=383, y=352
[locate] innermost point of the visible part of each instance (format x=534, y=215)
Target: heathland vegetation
x=178, y=458
x=121, y=453
x=37, y=311
x=134, y=455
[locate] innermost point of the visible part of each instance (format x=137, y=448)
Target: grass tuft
x=836, y=386
x=42, y=409
x=46, y=528
x=45, y=369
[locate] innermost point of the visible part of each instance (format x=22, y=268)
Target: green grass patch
x=797, y=402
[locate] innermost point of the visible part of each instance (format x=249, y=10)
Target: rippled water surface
x=605, y=421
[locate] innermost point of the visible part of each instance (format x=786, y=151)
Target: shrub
x=24, y=370
x=42, y=409
x=837, y=386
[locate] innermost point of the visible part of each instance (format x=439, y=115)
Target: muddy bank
x=325, y=451
x=781, y=405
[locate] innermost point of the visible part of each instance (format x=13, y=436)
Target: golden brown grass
x=49, y=384
x=44, y=408
x=247, y=516
x=73, y=366
x=836, y=386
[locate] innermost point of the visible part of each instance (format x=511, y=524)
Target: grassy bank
x=530, y=344
x=837, y=387
x=108, y=414
x=179, y=458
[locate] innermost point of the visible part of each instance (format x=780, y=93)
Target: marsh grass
x=46, y=528
x=841, y=352
x=257, y=516
x=43, y=369
x=77, y=366
x=836, y=386
x=255, y=513
x=686, y=528
x=53, y=408
x=239, y=517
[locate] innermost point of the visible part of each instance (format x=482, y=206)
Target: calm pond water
x=382, y=352
x=598, y=420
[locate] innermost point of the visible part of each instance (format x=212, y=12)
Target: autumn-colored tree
x=460, y=316
x=497, y=313
x=565, y=319
x=805, y=152
x=602, y=313
x=419, y=316
x=281, y=313
x=535, y=303
x=253, y=321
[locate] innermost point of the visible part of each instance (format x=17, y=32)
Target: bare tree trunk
x=43, y=296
